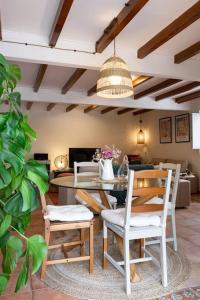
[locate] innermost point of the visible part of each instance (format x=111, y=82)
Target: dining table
x=82, y=189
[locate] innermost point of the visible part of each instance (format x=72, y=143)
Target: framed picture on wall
x=182, y=128
x=165, y=130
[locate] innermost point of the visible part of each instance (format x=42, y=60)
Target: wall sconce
x=140, y=135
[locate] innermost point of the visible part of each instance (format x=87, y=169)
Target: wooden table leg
x=104, y=199
x=134, y=273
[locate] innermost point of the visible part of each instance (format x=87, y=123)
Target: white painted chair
x=172, y=203
x=91, y=169
x=132, y=223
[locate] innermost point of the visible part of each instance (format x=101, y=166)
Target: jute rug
x=74, y=279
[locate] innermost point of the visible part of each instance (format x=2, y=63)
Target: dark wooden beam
x=90, y=108
x=72, y=80
x=178, y=90
x=125, y=110
x=50, y=106
x=108, y=109
x=39, y=77
x=141, y=111
x=141, y=79
x=29, y=105
x=130, y=10
x=187, y=53
x=92, y=91
x=0, y=29
x=187, y=97
x=59, y=21
x=157, y=87
x=70, y=107
x=179, y=24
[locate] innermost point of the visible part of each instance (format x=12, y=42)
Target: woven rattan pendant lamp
x=115, y=79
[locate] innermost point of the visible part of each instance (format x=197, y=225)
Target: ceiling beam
x=130, y=10
x=141, y=111
x=90, y=108
x=59, y=21
x=179, y=90
x=157, y=87
x=187, y=53
x=179, y=24
x=72, y=80
x=141, y=79
x=125, y=110
x=108, y=109
x=50, y=106
x=39, y=77
x=92, y=91
x=187, y=97
x=0, y=29
x=70, y=107
x=29, y=105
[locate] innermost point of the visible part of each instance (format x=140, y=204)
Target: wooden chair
x=172, y=204
x=91, y=169
x=84, y=221
x=139, y=222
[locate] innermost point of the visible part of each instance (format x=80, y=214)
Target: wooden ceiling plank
x=72, y=80
x=50, y=106
x=162, y=85
x=70, y=107
x=90, y=108
x=92, y=91
x=187, y=97
x=125, y=110
x=141, y=111
x=108, y=109
x=179, y=24
x=29, y=105
x=39, y=77
x=187, y=53
x=131, y=9
x=179, y=90
x=141, y=79
x=59, y=21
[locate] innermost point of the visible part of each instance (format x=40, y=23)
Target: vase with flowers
x=105, y=158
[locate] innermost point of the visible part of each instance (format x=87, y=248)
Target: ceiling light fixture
x=115, y=79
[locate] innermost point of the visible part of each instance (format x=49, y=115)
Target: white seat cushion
x=157, y=200
x=68, y=213
x=116, y=216
x=97, y=197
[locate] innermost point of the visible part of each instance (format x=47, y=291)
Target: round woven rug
x=74, y=279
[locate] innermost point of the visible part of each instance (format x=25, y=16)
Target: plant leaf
x=28, y=194
x=11, y=253
x=37, y=248
x=28, y=130
x=14, y=205
x=39, y=182
x=3, y=282
x=23, y=274
x=12, y=159
x=5, y=224
x=38, y=168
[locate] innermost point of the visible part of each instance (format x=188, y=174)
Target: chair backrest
x=175, y=179
x=150, y=189
x=85, y=168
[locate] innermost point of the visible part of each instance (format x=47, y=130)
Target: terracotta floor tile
x=21, y=296
x=51, y=294
x=36, y=283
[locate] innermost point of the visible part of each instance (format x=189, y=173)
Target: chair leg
x=44, y=264
x=105, y=245
x=163, y=254
x=82, y=250
x=173, y=220
x=91, y=246
x=127, y=266
x=142, y=247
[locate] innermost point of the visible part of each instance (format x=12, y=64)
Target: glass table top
x=90, y=183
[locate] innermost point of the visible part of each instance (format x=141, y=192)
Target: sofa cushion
x=183, y=163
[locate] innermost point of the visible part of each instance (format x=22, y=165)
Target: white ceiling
x=30, y=21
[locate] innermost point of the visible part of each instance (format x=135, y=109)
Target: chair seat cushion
x=116, y=216
x=68, y=213
x=157, y=200
x=97, y=197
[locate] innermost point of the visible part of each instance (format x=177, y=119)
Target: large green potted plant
x=21, y=183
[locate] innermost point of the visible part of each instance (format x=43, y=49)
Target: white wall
x=172, y=150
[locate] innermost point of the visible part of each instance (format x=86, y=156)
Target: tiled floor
x=188, y=229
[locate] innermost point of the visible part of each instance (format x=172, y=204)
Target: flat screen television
x=80, y=154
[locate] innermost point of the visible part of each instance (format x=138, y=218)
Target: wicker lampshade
x=115, y=79
x=140, y=135
x=61, y=162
